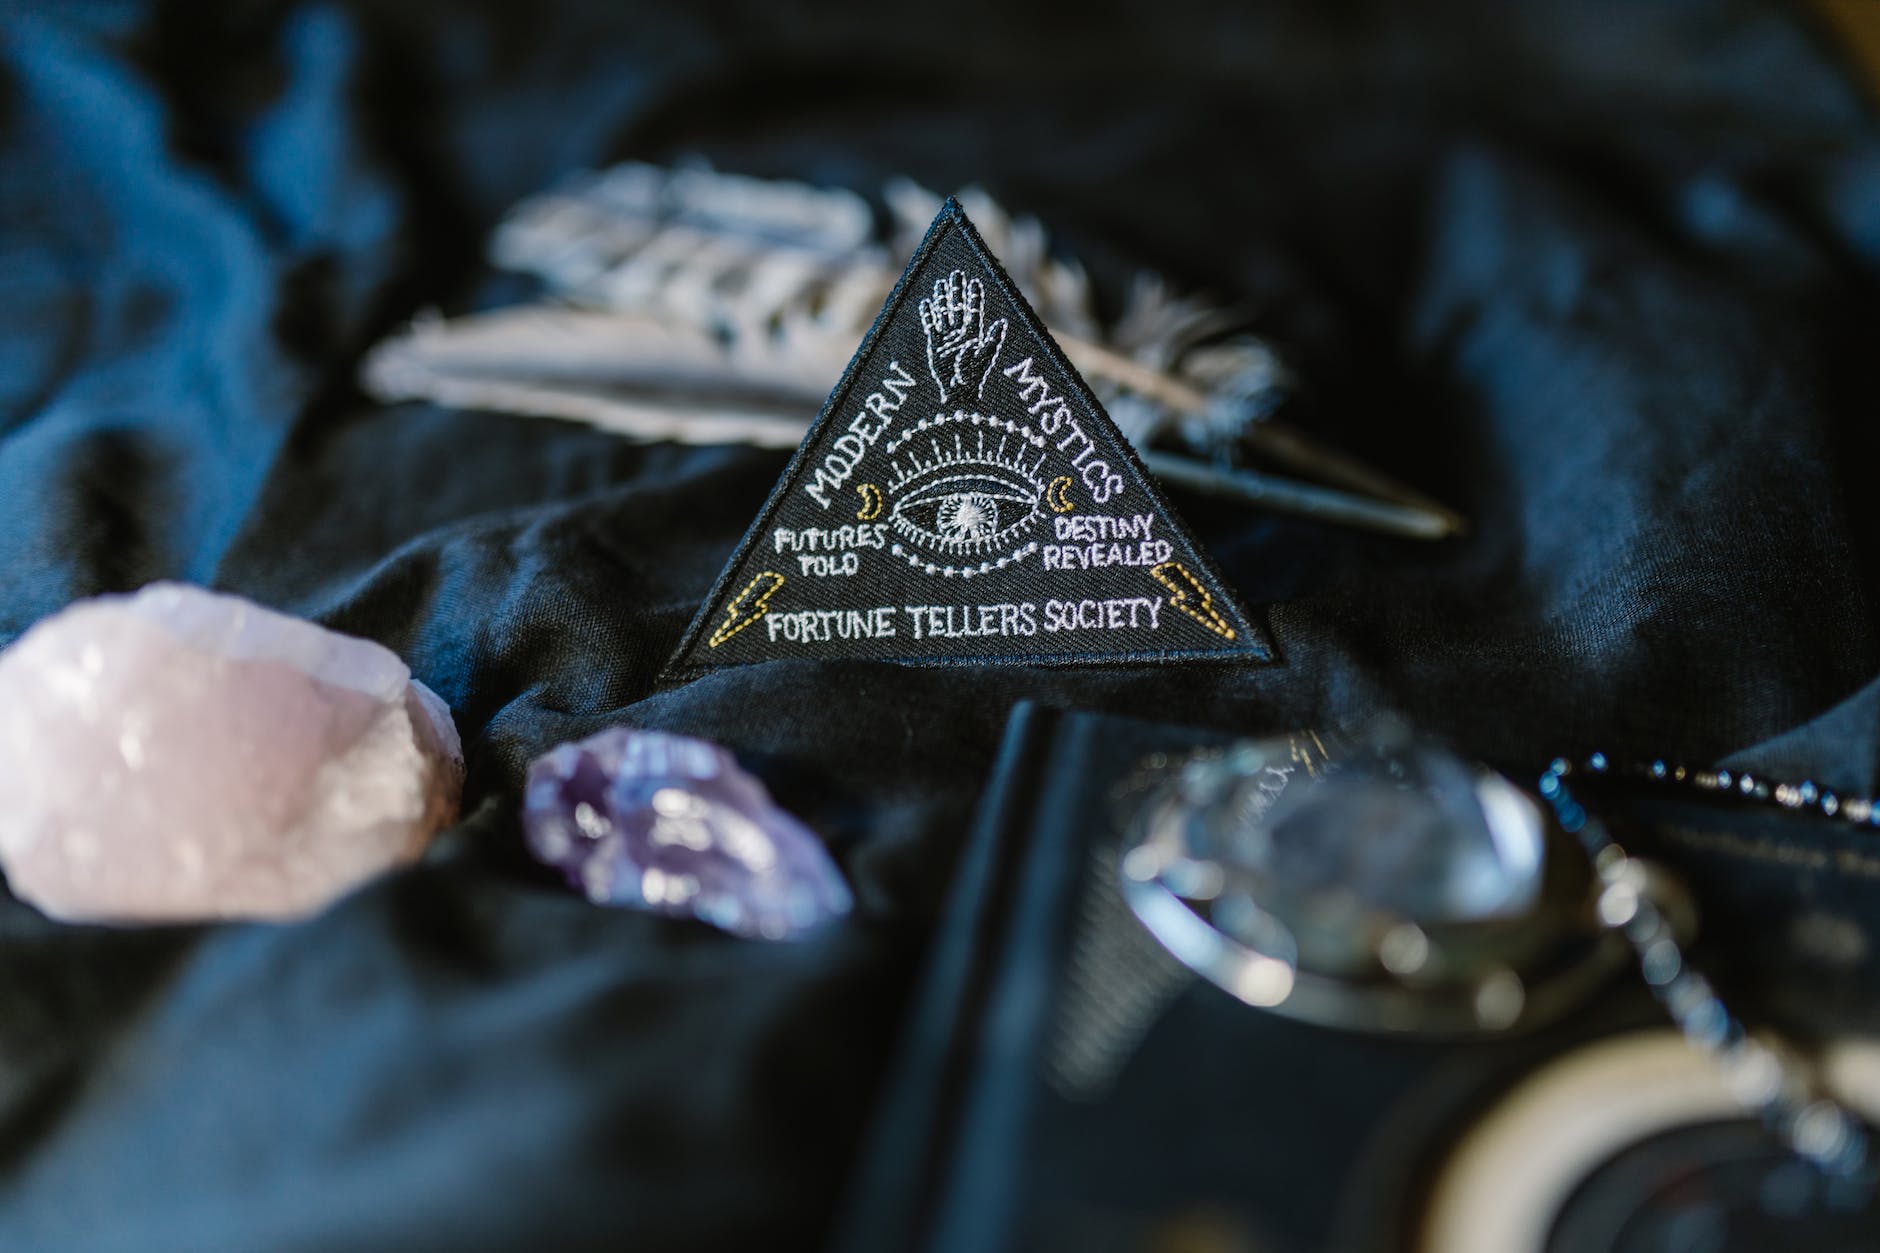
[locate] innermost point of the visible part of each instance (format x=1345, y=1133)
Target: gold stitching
x=871, y=502
x=758, y=607
x=1204, y=612
x=1060, y=490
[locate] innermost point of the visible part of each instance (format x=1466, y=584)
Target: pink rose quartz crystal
x=179, y=755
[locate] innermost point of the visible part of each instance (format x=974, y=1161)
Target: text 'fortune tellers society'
x=921, y=622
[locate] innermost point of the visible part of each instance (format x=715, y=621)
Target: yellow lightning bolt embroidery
x=1187, y=595
x=747, y=606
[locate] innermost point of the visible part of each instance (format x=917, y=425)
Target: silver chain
x=1769, y=1081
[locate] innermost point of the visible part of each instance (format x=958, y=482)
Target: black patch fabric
x=964, y=498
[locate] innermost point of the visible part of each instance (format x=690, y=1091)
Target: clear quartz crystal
x=1393, y=826
x=675, y=825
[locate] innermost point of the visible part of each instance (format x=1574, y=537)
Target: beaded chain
x=1765, y=1078
x=1861, y=812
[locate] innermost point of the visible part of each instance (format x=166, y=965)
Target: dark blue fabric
x=1602, y=275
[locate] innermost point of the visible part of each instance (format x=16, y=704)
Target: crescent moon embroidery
x=1058, y=495
x=871, y=502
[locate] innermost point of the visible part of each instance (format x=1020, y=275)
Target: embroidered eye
x=966, y=496
x=966, y=514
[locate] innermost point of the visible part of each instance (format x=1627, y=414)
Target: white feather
x=690, y=305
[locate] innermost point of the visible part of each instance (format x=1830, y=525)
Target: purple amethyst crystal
x=675, y=825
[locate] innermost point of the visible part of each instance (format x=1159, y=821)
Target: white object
x=180, y=755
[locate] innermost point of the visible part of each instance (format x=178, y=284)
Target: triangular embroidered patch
x=963, y=498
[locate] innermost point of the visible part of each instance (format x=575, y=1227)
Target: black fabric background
x=1603, y=275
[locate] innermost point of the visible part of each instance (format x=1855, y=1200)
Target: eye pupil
x=968, y=516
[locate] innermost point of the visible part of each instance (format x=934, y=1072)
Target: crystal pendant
x=1384, y=884
x=1394, y=826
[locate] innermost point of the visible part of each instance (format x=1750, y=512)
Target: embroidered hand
x=961, y=348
